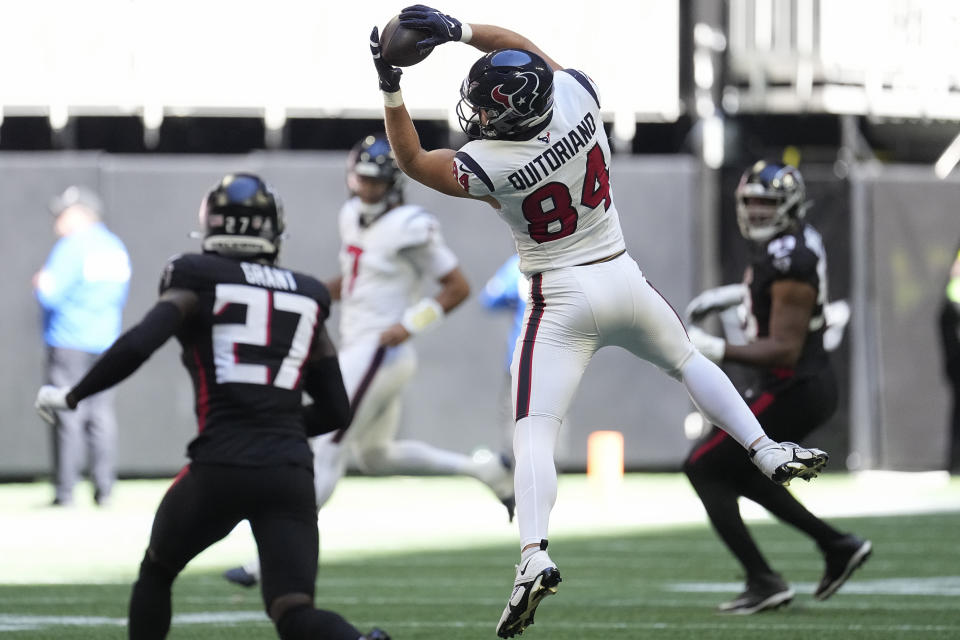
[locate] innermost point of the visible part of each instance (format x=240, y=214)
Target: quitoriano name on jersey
x=555, y=156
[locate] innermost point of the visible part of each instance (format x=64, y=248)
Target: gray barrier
x=905, y=230
x=152, y=204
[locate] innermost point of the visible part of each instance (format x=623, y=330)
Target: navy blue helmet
x=514, y=89
x=373, y=158
x=771, y=198
x=241, y=217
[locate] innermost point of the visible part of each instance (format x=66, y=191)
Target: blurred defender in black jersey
x=784, y=295
x=253, y=340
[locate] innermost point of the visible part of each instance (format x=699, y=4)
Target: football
x=398, y=44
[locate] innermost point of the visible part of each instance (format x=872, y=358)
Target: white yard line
x=229, y=618
x=947, y=586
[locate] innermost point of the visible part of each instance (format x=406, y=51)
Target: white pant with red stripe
x=375, y=378
x=574, y=312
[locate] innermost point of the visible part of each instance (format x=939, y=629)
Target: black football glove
x=389, y=75
x=441, y=27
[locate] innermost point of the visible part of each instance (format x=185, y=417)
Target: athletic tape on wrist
x=394, y=99
x=422, y=316
x=466, y=33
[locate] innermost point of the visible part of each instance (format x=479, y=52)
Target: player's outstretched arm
x=442, y=28
x=791, y=309
x=433, y=169
x=125, y=356
x=454, y=290
x=792, y=306
x=488, y=37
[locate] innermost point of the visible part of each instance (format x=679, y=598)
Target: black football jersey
x=245, y=347
x=800, y=256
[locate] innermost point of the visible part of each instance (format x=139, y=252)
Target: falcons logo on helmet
x=521, y=99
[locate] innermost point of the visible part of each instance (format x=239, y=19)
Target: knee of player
x=678, y=371
x=371, y=459
x=154, y=569
x=285, y=607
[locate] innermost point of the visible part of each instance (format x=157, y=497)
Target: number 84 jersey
x=553, y=189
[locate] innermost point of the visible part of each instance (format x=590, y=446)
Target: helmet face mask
x=372, y=161
x=242, y=217
x=771, y=198
x=507, y=95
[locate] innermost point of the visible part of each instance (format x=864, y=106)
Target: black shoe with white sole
x=843, y=557
x=763, y=592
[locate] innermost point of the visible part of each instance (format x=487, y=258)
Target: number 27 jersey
x=554, y=189
x=246, y=347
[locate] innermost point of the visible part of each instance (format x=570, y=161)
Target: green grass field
x=431, y=558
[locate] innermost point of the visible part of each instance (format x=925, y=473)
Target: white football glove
x=51, y=399
x=710, y=346
x=716, y=299
x=837, y=315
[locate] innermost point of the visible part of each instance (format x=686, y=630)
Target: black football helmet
x=373, y=158
x=771, y=198
x=242, y=217
x=514, y=88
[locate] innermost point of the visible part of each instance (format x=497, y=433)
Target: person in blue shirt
x=82, y=289
x=507, y=289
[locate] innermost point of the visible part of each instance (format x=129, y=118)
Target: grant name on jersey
x=263, y=275
x=555, y=156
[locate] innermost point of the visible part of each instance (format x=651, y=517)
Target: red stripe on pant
x=362, y=388
x=758, y=406
x=525, y=368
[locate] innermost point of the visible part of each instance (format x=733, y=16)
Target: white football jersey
x=385, y=264
x=554, y=189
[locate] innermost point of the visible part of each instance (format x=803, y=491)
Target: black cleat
x=376, y=634
x=763, y=592
x=843, y=557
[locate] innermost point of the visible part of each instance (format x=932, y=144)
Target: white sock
x=763, y=443
x=526, y=553
x=535, y=476
x=718, y=400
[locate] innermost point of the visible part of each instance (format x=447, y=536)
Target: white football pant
x=375, y=378
x=574, y=312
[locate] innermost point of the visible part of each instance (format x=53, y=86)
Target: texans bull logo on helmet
x=513, y=89
x=520, y=99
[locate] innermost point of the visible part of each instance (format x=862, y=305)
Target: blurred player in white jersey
x=390, y=251
x=539, y=156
